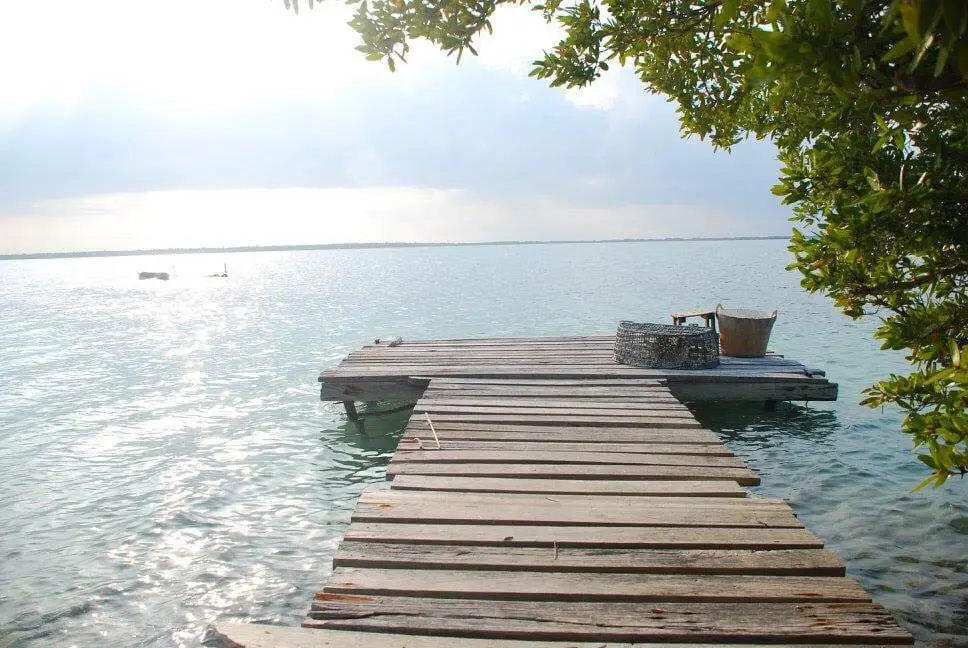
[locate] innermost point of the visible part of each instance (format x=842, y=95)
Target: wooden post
x=351, y=412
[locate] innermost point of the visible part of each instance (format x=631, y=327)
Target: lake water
x=166, y=462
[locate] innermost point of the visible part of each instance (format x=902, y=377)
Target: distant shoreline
x=352, y=246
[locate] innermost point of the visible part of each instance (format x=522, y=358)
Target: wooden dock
x=525, y=513
x=401, y=372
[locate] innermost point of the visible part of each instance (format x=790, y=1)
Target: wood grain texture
x=572, y=500
x=613, y=621
x=743, y=476
x=255, y=635
x=555, y=456
x=586, y=537
x=576, y=419
x=575, y=515
x=495, y=585
x=560, y=402
x=699, y=488
x=555, y=433
x=780, y=562
x=410, y=444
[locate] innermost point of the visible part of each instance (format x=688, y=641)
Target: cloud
x=342, y=215
x=115, y=98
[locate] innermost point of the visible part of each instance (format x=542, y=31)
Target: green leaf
x=727, y=11
x=929, y=13
x=962, y=58
x=924, y=482
x=901, y=48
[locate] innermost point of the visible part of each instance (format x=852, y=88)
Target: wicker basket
x=663, y=346
x=744, y=333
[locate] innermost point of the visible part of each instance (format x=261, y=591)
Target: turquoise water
x=166, y=461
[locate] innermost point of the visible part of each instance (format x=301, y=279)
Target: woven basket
x=662, y=346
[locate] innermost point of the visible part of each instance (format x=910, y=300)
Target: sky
x=134, y=125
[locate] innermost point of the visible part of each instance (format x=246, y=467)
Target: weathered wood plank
x=554, y=456
x=512, y=418
x=409, y=444
x=569, y=500
x=599, y=516
x=334, y=388
x=613, y=621
x=561, y=402
x=478, y=341
x=745, y=392
x=597, y=361
x=553, y=371
x=444, y=382
x=743, y=476
x=679, y=412
x=254, y=635
x=780, y=562
x=599, y=394
x=587, y=537
x=568, y=486
x=497, y=585
x=538, y=433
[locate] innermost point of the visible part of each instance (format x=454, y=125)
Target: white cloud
x=520, y=37
x=164, y=219
x=181, y=55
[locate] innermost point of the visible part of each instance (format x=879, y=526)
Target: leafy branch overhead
x=867, y=104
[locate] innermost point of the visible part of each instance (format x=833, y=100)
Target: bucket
x=744, y=333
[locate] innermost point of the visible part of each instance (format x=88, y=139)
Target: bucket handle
x=719, y=307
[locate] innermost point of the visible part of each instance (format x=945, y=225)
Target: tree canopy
x=866, y=102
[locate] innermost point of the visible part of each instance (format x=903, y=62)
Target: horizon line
x=355, y=246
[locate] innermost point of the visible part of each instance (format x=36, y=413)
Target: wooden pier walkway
x=530, y=513
x=381, y=371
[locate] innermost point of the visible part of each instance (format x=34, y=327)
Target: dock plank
x=743, y=476
x=620, y=413
x=656, y=537
x=512, y=418
x=789, y=562
x=507, y=457
x=499, y=585
x=569, y=500
x=409, y=444
x=557, y=433
x=699, y=488
x=252, y=635
x=583, y=403
x=574, y=515
x=613, y=621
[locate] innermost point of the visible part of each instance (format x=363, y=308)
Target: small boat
x=163, y=276
x=225, y=271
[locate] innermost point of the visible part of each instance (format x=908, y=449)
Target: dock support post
x=351, y=413
x=770, y=405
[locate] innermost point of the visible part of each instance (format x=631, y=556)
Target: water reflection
x=753, y=424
